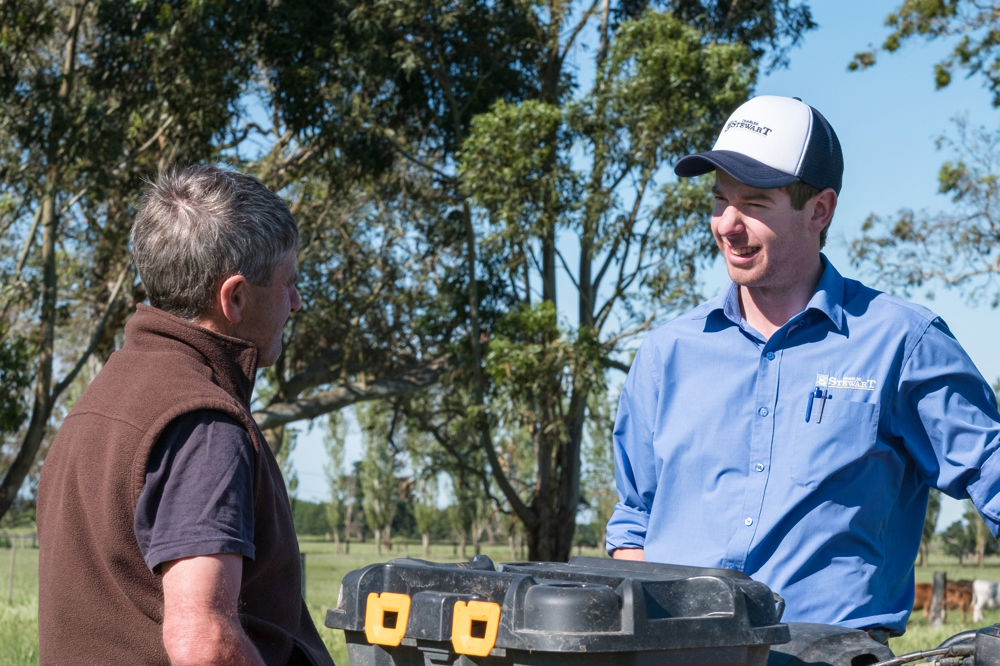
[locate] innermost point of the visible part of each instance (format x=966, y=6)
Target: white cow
x=984, y=595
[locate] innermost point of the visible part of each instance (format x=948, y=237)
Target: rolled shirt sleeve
x=947, y=416
x=635, y=464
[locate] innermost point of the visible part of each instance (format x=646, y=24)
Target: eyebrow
x=760, y=195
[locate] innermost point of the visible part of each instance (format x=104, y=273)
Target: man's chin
x=745, y=276
x=268, y=358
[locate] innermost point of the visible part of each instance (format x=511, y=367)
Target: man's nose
x=729, y=222
x=296, y=301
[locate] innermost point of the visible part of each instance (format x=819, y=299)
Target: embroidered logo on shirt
x=845, y=382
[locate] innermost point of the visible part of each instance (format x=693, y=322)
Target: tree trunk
x=387, y=536
x=336, y=541
x=938, y=610
x=461, y=543
x=274, y=438
x=980, y=541
x=43, y=402
x=378, y=542
x=512, y=543
x=426, y=538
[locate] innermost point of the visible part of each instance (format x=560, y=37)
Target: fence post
x=302, y=562
x=938, y=597
x=10, y=584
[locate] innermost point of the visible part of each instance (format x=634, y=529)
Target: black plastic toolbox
x=590, y=611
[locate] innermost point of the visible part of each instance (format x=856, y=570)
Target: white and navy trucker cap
x=772, y=142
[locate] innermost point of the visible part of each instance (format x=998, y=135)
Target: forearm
x=200, y=623
x=217, y=640
x=633, y=554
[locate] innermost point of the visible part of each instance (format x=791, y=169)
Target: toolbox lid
x=588, y=604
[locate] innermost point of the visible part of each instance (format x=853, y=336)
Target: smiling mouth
x=744, y=251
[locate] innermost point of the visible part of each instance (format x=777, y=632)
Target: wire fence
x=16, y=541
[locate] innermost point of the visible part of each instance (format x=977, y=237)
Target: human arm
x=632, y=441
x=633, y=554
x=200, y=623
x=947, y=415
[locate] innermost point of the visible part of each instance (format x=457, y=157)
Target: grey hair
x=199, y=226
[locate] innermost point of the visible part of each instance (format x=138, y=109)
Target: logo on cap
x=748, y=125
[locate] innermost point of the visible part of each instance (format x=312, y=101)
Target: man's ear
x=232, y=297
x=821, y=209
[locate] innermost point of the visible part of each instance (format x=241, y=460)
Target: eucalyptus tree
x=452, y=124
x=96, y=95
x=334, y=442
x=958, y=247
x=969, y=25
x=628, y=241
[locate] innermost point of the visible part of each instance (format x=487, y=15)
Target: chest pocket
x=845, y=435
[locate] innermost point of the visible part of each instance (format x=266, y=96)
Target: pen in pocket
x=815, y=393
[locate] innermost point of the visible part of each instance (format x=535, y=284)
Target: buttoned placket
x=761, y=438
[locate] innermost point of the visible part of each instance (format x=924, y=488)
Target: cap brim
x=744, y=169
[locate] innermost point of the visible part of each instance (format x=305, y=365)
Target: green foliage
x=964, y=537
x=511, y=166
x=310, y=517
x=379, y=468
x=290, y=438
x=959, y=248
x=590, y=535
x=334, y=441
x=957, y=541
x=599, y=490
x=971, y=26
x=15, y=378
x=425, y=511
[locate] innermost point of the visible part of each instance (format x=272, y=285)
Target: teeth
x=742, y=251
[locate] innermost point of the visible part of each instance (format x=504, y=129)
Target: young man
x=791, y=427
x=165, y=531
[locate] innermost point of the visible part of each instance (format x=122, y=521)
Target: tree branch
x=616, y=365
x=310, y=407
x=644, y=326
x=96, y=338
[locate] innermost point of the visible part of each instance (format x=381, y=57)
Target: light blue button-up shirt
x=717, y=465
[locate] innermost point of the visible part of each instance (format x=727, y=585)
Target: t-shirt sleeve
x=198, y=496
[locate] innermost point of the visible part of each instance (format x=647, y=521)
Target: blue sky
x=887, y=119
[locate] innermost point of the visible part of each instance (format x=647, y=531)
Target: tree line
x=482, y=188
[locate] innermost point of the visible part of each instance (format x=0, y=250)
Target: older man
x=791, y=427
x=164, y=526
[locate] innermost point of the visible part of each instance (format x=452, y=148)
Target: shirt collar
x=828, y=298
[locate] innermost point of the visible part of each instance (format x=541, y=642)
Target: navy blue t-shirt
x=198, y=497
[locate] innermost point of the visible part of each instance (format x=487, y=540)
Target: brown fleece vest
x=98, y=603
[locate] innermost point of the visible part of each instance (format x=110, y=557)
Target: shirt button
x=770, y=356
x=759, y=467
x=748, y=522
x=762, y=411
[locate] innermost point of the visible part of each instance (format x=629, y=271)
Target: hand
x=200, y=624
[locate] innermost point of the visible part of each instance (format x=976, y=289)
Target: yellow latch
x=474, y=627
x=385, y=618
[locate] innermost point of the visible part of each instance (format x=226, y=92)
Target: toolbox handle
x=385, y=618
x=474, y=627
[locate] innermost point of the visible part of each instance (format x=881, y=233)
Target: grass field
x=325, y=569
